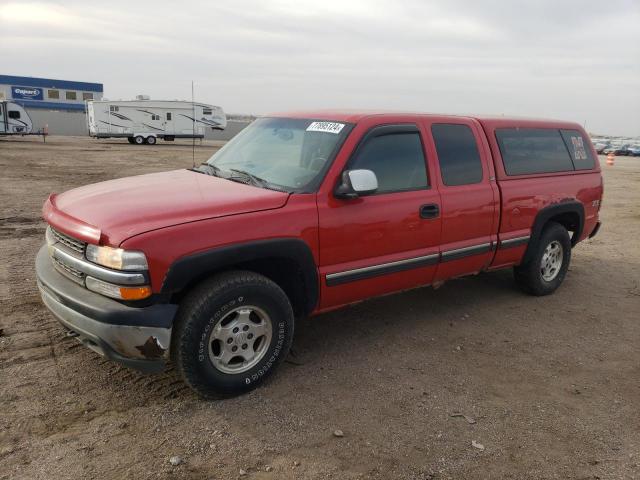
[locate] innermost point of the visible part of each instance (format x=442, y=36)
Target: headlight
x=116, y=258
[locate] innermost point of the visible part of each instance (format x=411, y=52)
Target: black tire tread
x=194, y=304
x=527, y=276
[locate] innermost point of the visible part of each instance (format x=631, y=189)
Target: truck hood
x=110, y=212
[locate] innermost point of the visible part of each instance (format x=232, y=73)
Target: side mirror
x=355, y=183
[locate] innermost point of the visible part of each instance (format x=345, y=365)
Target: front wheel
x=546, y=269
x=138, y=140
x=231, y=332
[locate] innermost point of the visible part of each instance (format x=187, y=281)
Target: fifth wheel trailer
x=144, y=121
x=14, y=120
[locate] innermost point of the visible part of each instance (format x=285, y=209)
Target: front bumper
x=136, y=337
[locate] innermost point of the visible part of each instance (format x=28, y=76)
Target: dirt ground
x=552, y=383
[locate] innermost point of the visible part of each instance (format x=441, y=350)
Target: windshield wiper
x=237, y=176
x=208, y=169
x=255, y=180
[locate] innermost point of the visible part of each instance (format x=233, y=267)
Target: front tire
x=231, y=332
x=545, y=271
x=138, y=140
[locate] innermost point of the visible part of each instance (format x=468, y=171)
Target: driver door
x=385, y=241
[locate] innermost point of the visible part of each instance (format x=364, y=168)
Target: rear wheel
x=546, y=269
x=231, y=332
x=151, y=140
x=138, y=140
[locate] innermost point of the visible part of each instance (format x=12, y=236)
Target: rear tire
x=548, y=266
x=151, y=140
x=138, y=140
x=230, y=333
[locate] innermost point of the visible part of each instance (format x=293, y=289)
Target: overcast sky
x=577, y=60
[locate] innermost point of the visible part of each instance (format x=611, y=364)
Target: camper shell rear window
x=528, y=151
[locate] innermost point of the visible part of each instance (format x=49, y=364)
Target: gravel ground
x=550, y=385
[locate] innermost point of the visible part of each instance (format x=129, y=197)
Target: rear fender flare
x=546, y=214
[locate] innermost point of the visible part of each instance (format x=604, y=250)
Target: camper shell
x=144, y=121
x=14, y=119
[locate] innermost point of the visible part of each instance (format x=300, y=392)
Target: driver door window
x=397, y=159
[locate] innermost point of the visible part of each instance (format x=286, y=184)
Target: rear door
x=168, y=122
x=469, y=196
x=386, y=241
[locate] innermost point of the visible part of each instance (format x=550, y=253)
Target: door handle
x=431, y=210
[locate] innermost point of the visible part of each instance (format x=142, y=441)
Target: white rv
x=144, y=121
x=14, y=120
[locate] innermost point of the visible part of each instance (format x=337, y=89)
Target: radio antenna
x=193, y=129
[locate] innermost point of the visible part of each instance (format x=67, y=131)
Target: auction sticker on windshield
x=328, y=127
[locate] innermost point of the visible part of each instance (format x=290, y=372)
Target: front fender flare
x=198, y=265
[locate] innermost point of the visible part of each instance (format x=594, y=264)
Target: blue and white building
x=57, y=104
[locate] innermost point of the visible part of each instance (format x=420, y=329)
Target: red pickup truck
x=304, y=213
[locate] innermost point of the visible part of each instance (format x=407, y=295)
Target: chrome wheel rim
x=240, y=339
x=551, y=261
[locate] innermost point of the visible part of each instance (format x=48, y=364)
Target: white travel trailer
x=14, y=120
x=144, y=121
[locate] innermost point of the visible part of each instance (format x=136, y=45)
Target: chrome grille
x=68, y=271
x=72, y=243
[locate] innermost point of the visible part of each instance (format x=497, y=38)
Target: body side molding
x=346, y=276
x=514, y=242
x=458, y=253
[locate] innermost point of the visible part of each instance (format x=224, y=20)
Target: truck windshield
x=288, y=153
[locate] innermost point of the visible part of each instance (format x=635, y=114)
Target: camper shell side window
x=207, y=111
x=113, y=108
x=14, y=114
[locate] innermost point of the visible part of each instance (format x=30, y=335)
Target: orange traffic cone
x=610, y=159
